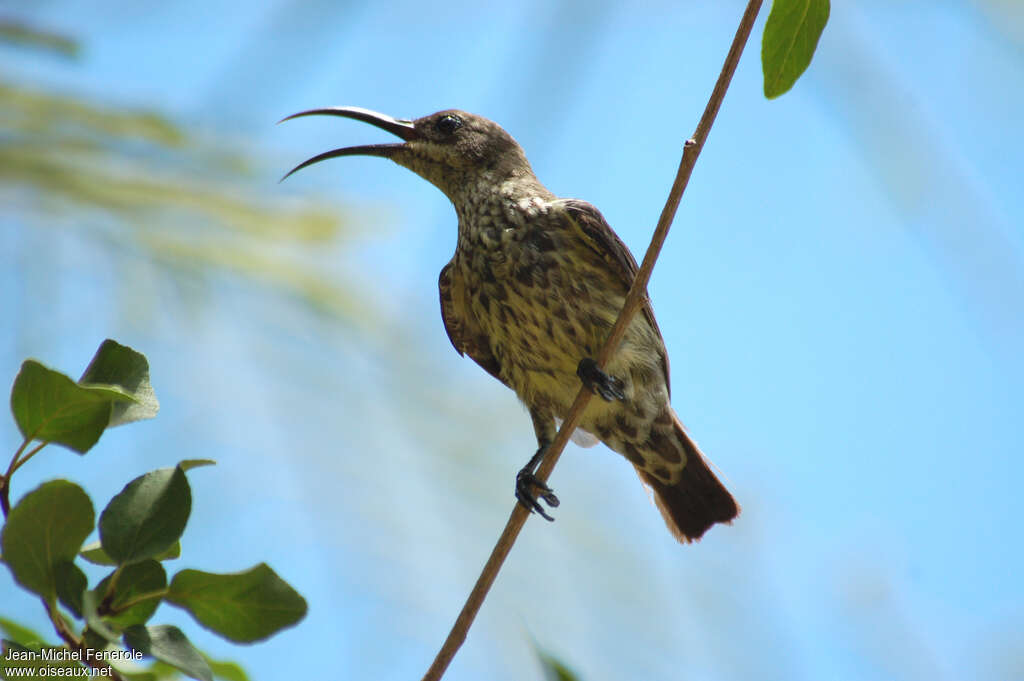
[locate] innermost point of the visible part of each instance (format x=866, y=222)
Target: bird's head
x=452, y=149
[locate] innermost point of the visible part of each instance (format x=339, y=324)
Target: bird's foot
x=529, y=489
x=602, y=384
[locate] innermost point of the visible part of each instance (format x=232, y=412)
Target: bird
x=530, y=294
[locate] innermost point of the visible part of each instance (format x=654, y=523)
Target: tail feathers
x=697, y=500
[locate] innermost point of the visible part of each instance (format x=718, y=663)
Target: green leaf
x=94, y=553
x=31, y=36
x=230, y=671
x=554, y=669
x=116, y=364
x=147, y=516
x=790, y=37
x=189, y=464
x=242, y=607
x=49, y=406
x=71, y=584
x=168, y=644
x=46, y=528
x=135, y=580
x=19, y=633
x=155, y=671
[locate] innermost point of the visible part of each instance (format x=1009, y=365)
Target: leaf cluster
x=43, y=539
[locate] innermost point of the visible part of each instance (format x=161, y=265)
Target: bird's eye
x=448, y=124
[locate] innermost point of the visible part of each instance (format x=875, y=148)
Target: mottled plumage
x=534, y=287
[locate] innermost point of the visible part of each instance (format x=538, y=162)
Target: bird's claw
x=602, y=384
x=526, y=483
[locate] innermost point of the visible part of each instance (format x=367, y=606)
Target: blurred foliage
x=29, y=36
x=148, y=184
x=554, y=669
x=43, y=535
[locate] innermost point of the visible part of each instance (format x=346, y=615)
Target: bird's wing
x=600, y=237
x=462, y=329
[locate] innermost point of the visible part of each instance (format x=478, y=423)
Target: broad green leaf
x=94, y=553
x=49, y=406
x=18, y=661
x=790, y=37
x=18, y=633
x=119, y=365
x=71, y=584
x=46, y=528
x=168, y=644
x=243, y=606
x=135, y=580
x=147, y=516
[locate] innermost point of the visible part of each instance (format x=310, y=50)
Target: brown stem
x=635, y=298
x=75, y=643
x=16, y=463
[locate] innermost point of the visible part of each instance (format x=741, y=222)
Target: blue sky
x=840, y=296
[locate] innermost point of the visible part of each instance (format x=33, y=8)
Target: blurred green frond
x=152, y=186
x=554, y=669
x=16, y=33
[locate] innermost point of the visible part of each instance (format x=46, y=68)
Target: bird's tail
x=697, y=500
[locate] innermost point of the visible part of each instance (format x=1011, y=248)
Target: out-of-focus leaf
x=71, y=584
x=554, y=669
x=46, y=528
x=790, y=37
x=116, y=364
x=189, y=464
x=243, y=606
x=147, y=517
x=49, y=406
x=229, y=671
x=168, y=644
x=19, y=633
x=29, y=36
x=187, y=202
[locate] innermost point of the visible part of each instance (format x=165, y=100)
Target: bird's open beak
x=396, y=126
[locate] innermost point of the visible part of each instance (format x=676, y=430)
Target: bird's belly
x=540, y=333
x=542, y=313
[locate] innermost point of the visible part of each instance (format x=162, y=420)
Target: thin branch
x=23, y=460
x=5, y=479
x=75, y=643
x=636, y=297
x=16, y=463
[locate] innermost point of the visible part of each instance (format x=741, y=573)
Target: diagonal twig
x=635, y=298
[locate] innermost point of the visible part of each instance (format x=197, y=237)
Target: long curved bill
x=396, y=126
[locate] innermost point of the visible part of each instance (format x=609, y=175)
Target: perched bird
x=533, y=289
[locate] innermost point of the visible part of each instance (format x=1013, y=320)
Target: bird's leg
x=528, y=487
x=602, y=384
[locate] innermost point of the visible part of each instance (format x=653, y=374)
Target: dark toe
x=602, y=384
